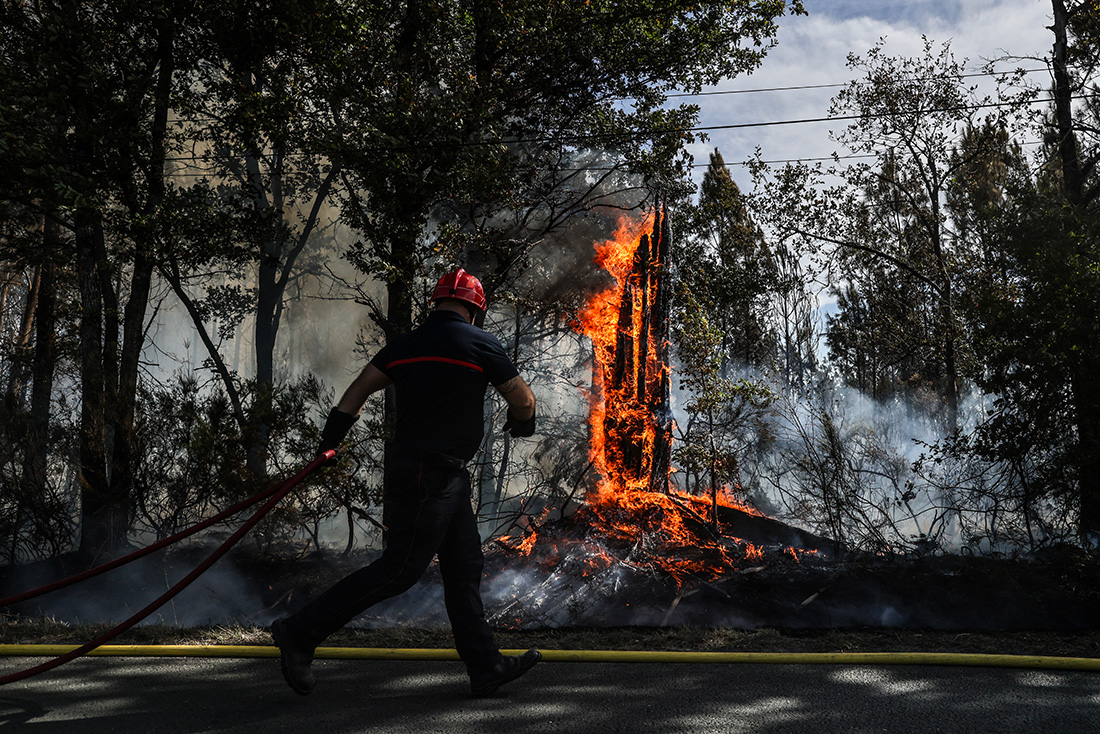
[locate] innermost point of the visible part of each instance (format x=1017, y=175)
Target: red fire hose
x=274, y=493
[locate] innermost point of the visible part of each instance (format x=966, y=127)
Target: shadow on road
x=195, y=695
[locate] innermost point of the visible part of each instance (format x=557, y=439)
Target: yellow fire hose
x=586, y=656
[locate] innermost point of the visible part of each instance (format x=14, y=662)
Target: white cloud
x=813, y=50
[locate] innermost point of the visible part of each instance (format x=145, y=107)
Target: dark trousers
x=427, y=512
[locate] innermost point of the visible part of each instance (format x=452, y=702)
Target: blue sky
x=813, y=50
x=897, y=12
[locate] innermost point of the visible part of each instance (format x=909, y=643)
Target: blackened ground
x=582, y=573
x=948, y=603
x=938, y=593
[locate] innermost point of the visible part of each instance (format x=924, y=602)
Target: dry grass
x=1069, y=644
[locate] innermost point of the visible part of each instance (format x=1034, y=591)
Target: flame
x=615, y=403
x=624, y=505
x=632, y=517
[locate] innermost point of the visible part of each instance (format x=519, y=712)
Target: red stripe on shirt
x=445, y=360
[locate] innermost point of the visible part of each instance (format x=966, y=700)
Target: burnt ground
x=867, y=601
x=626, y=567
x=775, y=601
x=607, y=578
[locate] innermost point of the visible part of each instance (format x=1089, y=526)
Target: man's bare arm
x=520, y=399
x=369, y=381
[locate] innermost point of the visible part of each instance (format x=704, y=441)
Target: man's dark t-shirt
x=440, y=372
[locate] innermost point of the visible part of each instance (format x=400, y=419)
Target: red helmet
x=460, y=286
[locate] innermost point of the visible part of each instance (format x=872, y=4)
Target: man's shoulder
x=457, y=326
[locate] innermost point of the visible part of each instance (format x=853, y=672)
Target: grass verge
x=701, y=639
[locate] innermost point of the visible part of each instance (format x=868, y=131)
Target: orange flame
x=625, y=511
x=599, y=320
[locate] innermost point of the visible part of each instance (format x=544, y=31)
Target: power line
x=802, y=87
x=611, y=137
x=612, y=168
x=721, y=92
x=877, y=116
x=773, y=162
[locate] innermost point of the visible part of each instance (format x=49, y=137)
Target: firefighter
x=439, y=372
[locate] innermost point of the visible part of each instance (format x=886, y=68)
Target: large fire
x=632, y=516
x=629, y=421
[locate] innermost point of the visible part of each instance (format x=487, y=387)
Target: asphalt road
x=193, y=695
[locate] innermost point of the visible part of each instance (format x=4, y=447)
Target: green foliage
x=194, y=462
x=953, y=264
x=36, y=517
x=1039, y=333
x=1037, y=320
x=192, y=458
x=482, y=117
x=201, y=144
x=727, y=418
x=1005, y=485
x=729, y=268
x=840, y=466
x=881, y=337
x=885, y=237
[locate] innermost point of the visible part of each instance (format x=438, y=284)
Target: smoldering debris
x=573, y=573
x=588, y=579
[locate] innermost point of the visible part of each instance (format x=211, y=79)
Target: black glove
x=336, y=428
x=520, y=429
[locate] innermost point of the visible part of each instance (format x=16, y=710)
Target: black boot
x=508, y=669
x=296, y=658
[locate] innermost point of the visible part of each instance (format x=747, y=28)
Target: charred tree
x=659, y=339
x=638, y=422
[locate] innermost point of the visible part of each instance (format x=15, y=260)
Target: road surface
x=199, y=695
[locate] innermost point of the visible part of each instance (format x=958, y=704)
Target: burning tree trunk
x=634, y=529
x=633, y=444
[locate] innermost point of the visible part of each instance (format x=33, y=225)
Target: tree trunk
x=125, y=440
x=123, y=456
x=1063, y=107
x=950, y=388
x=1085, y=384
x=661, y=338
x=42, y=364
x=102, y=520
x=21, y=349
x=1087, y=405
x=276, y=266
x=268, y=296
x=505, y=454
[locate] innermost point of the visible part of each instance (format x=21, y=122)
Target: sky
x=813, y=50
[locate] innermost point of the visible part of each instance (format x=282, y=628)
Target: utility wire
x=692, y=165
x=757, y=90
x=802, y=87
x=611, y=137
x=877, y=116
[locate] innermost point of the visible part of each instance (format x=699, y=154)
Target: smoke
x=523, y=597
x=865, y=471
x=222, y=595
x=558, y=267
x=562, y=269
x=319, y=327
